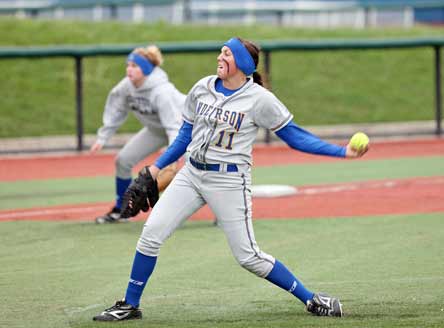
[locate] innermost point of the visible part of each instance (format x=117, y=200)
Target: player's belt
x=213, y=167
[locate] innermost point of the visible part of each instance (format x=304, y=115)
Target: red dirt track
x=404, y=196
x=407, y=196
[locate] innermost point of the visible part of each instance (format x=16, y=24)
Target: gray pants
x=229, y=197
x=142, y=144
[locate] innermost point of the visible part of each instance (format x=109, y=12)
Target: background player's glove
x=141, y=194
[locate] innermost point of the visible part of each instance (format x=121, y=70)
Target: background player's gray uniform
x=224, y=130
x=158, y=106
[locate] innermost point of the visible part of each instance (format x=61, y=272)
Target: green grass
x=318, y=87
x=350, y=171
x=24, y=194
x=387, y=271
x=82, y=32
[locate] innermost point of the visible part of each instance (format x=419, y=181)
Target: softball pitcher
x=156, y=103
x=221, y=119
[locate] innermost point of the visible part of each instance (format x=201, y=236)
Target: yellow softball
x=359, y=141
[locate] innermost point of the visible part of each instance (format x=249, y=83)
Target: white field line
x=71, y=311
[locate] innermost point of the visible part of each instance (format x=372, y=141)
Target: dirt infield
x=402, y=196
x=406, y=196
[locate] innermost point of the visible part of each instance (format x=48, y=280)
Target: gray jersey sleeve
x=169, y=102
x=115, y=114
x=270, y=113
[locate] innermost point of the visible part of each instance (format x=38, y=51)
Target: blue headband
x=145, y=65
x=242, y=57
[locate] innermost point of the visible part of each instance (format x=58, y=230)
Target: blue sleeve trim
x=300, y=139
x=177, y=148
x=186, y=119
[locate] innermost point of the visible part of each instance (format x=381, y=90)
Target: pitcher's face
x=226, y=65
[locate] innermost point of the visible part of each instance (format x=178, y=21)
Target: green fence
x=79, y=52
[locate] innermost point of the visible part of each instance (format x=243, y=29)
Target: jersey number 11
x=221, y=137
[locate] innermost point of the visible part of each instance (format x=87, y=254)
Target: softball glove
x=141, y=194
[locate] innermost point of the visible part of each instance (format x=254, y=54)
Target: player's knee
x=148, y=246
x=256, y=265
x=123, y=166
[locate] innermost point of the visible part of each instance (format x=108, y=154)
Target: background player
x=221, y=118
x=156, y=103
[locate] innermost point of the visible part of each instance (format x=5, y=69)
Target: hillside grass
x=326, y=87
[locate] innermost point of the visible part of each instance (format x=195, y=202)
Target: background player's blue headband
x=145, y=65
x=242, y=57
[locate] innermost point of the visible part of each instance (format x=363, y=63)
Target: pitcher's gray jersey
x=224, y=128
x=157, y=104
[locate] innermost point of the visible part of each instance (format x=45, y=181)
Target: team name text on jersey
x=233, y=118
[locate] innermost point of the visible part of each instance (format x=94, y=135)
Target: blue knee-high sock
x=121, y=186
x=282, y=277
x=143, y=266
